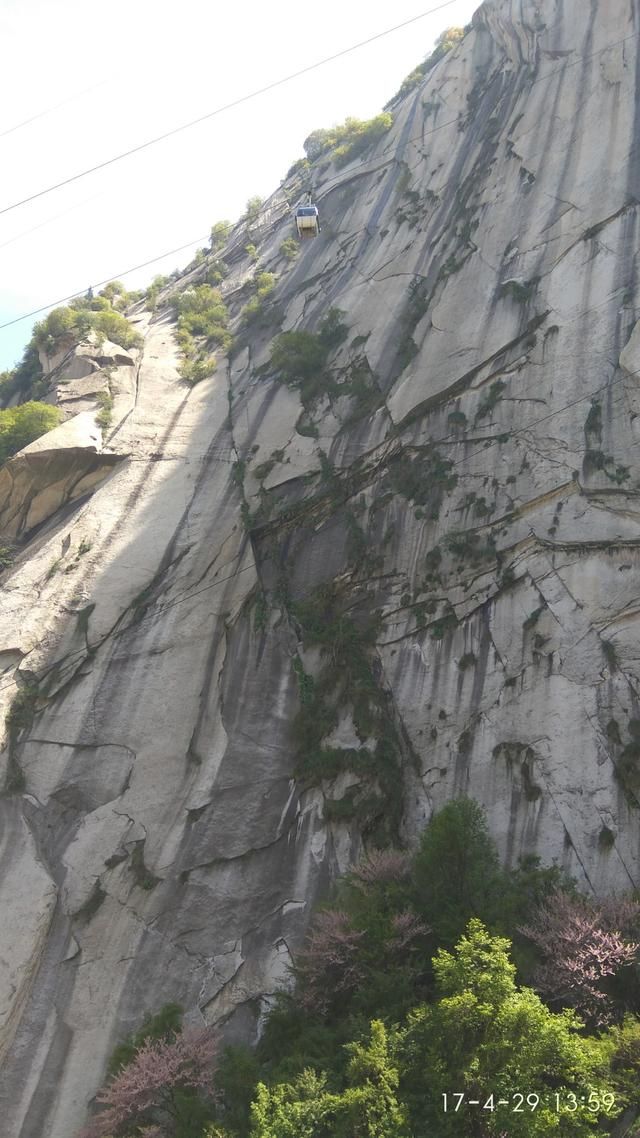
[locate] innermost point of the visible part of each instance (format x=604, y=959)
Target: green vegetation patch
x=263, y=285
x=349, y=140
x=72, y=323
x=202, y=326
x=290, y=248
x=22, y=425
x=299, y=359
x=445, y=43
x=490, y=400
x=104, y=399
x=424, y=479
x=345, y=633
x=415, y=985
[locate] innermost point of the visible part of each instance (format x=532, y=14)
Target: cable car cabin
x=307, y=222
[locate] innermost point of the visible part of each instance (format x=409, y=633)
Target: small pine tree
x=456, y=870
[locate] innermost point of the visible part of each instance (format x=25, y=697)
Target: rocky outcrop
x=56, y=469
x=69, y=462
x=75, y=361
x=448, y=520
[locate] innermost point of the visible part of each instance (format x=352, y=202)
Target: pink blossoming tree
x=142, y=1099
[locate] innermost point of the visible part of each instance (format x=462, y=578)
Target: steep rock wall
x=457, y=510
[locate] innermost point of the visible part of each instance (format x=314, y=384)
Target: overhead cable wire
x=56, y=216
x=485, y=443
x=55, y=107
x=97, y=284
x=340, y=180
x=227, y=107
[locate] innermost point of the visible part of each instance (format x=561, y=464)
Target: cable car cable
x=451, y=122
x=97, y=284
x=342, y=179
x=56, y=216
x=55, y=107
x=226, y=107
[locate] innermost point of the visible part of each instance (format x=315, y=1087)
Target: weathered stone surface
x=77, y=361
x=27, y=900
x=484, y=257
x=56, y=469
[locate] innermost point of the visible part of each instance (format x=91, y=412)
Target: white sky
x=132, y=69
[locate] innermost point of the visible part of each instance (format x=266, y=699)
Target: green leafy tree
x=348, y=140
x=116, y=328
x=252, y=209
x=202, y=312
x=368, y=1108
x=456, y=872
x=26, y=378
x=118, y=295
x=622, y=1044
x=65, y=326
x=57, y=326
x=290, y=248
x=112, y=290
x=21, y=425
x=371, y=1105
x=7, y=381
x=297, y=356
x=485, y=1035
x=236, y=1078
x=219, y=234
x=301, y=1109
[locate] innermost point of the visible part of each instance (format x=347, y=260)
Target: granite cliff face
x=423, y=574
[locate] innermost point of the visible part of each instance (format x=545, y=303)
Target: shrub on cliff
x=21, y=425
x=290, y=248
x=264, y=284
x=158, y=283
x=117, y=329
x=219, y=234
x=252, y=209
x=202, y=323
x=72, y=323
x=118, y=296
x=445, y=43
x=349, y=139
x=299, y=359
x=25, y=379
x=202, y=312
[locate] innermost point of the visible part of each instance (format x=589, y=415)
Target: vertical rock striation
x=293, y=618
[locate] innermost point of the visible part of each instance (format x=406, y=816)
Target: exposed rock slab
x=492, y=326
x=53, y=471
